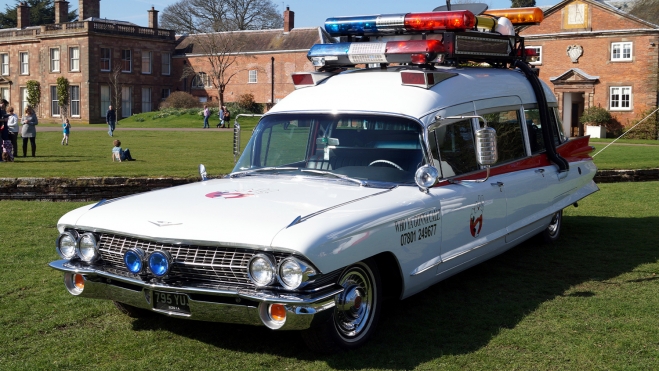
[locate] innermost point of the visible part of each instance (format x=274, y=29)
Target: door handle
x=497, y=184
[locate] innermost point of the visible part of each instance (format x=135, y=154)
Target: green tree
x=522, y=3
x=41, y=12
x=33, y=94
x=63, y=95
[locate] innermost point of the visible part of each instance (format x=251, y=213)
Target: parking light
x=135, y=260
x=160, y=263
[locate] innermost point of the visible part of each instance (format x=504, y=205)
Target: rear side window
x=534, y=129
x=510, y=138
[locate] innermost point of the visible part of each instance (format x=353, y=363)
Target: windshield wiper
x=272, y=168
x=324, y=172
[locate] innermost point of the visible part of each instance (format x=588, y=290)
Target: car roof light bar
x=459, y=20
x=519, y=16
x=409, y=51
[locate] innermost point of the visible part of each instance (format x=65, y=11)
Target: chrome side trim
x=307, y=217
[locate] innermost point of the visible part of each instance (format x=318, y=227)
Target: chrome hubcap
x=354, y=305
x=554, y=224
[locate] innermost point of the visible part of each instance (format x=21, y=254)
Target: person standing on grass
x=29, y=130
x=7, y=149
x=207, y=114
x=66, y=128
x=12, y=123
x=221, y=114
x=227, y=117
x=111, y=119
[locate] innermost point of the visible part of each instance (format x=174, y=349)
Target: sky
x=308, y=13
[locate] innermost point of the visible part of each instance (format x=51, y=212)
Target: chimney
x=22, y=15
x=153, y=18
x=89, y=9
x=61, y=11
x=289, y=20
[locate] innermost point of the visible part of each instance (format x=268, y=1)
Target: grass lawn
x=588, y=302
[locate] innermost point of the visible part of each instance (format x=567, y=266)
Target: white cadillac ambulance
x=422, y=145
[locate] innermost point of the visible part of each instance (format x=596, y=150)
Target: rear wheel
x=553, y=231
x=131, y=311
x=356, y=312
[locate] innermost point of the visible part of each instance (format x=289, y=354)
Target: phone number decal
x=418, y=235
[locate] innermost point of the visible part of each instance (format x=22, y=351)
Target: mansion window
x=126, y=60
x=166, y=63
x=24, y=60
x=146, y=99
x=146, y=63
x=201, y=80
x=54, y=60
x=621, y=51
x=54, y=101
x=4, y=64
x=106, y=59
x=165, y=93
x=537, y=59
x=74, y=59
x=74, y=99
x=620, y=98
x=252, y=77
x=105, y=99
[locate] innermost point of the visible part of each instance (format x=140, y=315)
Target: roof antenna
x=448, y=5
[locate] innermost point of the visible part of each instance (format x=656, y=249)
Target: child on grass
x=66, y=128
x=119, y=154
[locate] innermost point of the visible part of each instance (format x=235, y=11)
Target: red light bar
x=305, y=79
x=414, y=46
x=440, y=21
x=423, y=79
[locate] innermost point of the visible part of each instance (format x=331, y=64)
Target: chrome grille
x=215, y=265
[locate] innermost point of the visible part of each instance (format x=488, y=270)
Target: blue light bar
x=358, y=25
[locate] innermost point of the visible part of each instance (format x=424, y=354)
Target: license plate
x=171, y=302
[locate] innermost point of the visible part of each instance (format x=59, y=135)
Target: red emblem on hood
x=228, y=195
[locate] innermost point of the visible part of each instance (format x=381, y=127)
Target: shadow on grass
x=463, y=313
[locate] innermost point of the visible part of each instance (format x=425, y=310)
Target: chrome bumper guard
x=240, y=306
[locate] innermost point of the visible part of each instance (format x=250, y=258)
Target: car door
x=473, y=213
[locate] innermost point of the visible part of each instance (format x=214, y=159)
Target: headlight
x=66, y=245
x=87, y=248
x=160, y=262
x=135, y=260
x=261, y=270
x=293, y=273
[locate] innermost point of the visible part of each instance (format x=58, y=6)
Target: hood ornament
x=161, y=223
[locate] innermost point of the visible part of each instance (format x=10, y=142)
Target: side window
x=454, y=148
x=556, y=121
x=534, y=129
x=510, y=140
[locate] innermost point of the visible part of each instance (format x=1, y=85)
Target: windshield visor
x=364, y=147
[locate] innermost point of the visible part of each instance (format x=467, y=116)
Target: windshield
x=361, y=147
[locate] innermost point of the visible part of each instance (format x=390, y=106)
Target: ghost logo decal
x=228, y=195
x=476, y=218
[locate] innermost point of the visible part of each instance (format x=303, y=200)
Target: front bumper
x=239, y=306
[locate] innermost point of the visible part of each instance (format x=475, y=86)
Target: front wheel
x=553, y=231
x=356, y=312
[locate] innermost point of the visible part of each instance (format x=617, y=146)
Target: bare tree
x=198, y=16
x=220, y=51
x=115, y=86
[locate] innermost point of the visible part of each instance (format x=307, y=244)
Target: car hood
x=247, y=211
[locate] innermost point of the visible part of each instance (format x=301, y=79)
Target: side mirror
x=486, y=146
x=202, y=172
x=236, y=141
